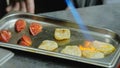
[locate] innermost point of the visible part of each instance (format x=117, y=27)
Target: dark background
x=42, y=6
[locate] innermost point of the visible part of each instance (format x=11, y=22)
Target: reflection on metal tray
x=49, y=24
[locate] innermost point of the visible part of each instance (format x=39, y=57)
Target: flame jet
x=78, y=19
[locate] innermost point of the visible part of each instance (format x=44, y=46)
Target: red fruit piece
x=35, y=28
x=25, y=40
x=24, y=43
x=20, y=25
x=5, y=36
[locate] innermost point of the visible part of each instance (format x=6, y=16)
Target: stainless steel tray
x=49, y=24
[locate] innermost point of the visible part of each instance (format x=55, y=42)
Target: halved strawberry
x=35, y=28
x=5, y=36
x=25, y=40
x=20, y=25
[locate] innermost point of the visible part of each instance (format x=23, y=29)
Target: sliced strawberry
x=35, y=28
x=5, y=35
x=20, y=25
x=25, y=40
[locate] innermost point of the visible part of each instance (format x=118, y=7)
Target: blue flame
x=78, y=19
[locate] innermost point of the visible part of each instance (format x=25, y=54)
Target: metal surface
x=49, y=24
x=5, y=55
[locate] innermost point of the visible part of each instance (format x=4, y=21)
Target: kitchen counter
x=104, y=16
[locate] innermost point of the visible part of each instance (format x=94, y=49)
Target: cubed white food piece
x=62, y=34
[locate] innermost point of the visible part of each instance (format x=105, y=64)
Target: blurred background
x=88, y=3
x=43, y=6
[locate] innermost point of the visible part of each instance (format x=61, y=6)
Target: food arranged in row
x=20, y=25
x=95, y=50
x=59, y=34
x=34, y=27
x=89, y=49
